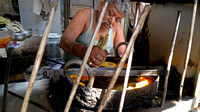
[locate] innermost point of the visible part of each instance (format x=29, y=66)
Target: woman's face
x=112, y=15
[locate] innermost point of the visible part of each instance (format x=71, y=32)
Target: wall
x=76, y=5
x=162, y=21
x=6, y=7
x=36, y=22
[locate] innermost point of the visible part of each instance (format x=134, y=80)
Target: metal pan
x=18, y=36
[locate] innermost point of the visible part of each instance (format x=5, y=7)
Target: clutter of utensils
x=20, y=36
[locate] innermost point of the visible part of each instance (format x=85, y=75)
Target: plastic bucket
x=53, y=50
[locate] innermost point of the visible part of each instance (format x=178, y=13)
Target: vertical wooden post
x=196, y=97
x=170, y=59
x=188, y=49
x=87, y=54
x=129, y=61
x=39, y=56
x=133, y=37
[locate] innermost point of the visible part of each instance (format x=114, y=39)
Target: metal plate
x=110, y=71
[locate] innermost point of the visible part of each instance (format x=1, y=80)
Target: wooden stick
x=39, y=57
x=195, y=102
x=170, y=59
x=188, y=49
x=129, y=62
x=114, y=78
x=75, y=86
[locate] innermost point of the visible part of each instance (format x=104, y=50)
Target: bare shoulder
x=117, y=27
x=83, y=13
x=118, y=33
x=80, y=22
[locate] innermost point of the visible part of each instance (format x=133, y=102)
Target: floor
x=39, y=96
x=173, y=106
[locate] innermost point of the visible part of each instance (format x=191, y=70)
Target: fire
x=142, y=83
x=84, y=78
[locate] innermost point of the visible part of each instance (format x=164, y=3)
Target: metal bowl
x=18, y=36
x=27, y=32
x=3, y=29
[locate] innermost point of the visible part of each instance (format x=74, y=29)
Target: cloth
x=4, y=21
x=41, y=5
x=46, y=6
x=37, y=6
x=85, y=40
x=3, y=53
x=15, y=27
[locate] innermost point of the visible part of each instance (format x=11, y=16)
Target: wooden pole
x=129, y=61
x=75, y=86
x=170, y=59
x=195, y=102
x=118, y=70
x=188, y=49
x=39, y=56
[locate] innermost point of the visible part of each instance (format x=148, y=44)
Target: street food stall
x=160, y=64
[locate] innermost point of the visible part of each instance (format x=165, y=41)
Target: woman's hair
x=123, y=6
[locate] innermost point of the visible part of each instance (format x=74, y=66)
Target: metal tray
x=110, y=71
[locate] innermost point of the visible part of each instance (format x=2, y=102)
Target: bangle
x=70, y=49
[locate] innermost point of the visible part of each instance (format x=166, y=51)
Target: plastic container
x=5, y=37
x=53, y=51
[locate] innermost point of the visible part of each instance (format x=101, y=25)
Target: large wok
x=90, y=98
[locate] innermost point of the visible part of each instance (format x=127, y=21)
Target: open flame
x=84, y=78
x=142, y=83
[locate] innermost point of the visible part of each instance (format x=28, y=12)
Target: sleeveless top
x=85, y=40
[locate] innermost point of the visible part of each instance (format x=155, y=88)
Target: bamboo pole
x=170, y=59
x=196, y=97
x=39, y=56
x=75, y=86
x=195, y=102
x=188, y=49
x=129, y=61
x=114, y=78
